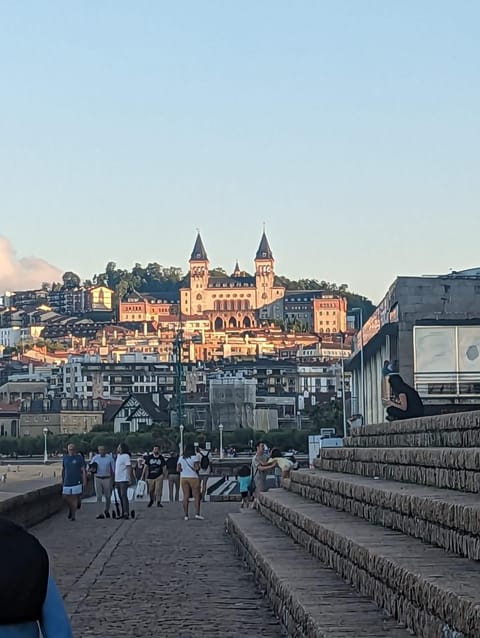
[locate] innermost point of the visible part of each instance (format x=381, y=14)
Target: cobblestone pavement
x=156, y=575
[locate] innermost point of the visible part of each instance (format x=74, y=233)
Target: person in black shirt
x=406, y=404
x=154, y=473
x=173, y=477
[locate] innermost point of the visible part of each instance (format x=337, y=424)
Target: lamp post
x=45, y=451
x=362, y=366
x=344, y=409
x=220, y=429
x=181, y=438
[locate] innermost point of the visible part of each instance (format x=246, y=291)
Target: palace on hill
x=236, y=301
x=223, y=303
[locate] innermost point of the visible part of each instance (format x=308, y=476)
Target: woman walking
x=188, y=466
x=123, y=476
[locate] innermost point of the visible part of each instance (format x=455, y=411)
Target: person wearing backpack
x=204, y=471
x=29, y=598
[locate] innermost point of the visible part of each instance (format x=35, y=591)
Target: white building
x=11, y=337
x=89, y=377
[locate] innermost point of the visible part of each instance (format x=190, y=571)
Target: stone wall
x=32, y=507
x=461, y=429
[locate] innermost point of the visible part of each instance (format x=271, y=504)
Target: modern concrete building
x=430, y=326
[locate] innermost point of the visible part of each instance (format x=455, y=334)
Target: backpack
x=204, y=461
x=23, y=576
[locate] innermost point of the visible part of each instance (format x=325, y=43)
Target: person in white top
x=123, y=476
x=188, y=466
x=102, y=467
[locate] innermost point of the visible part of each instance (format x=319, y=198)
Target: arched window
x=218, y=323
x=232, y=323
x=247, y=323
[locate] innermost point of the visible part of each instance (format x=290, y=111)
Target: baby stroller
x=131, y=494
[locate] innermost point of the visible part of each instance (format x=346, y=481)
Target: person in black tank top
x=406, y=404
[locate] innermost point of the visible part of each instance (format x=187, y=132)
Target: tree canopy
x=155, y=278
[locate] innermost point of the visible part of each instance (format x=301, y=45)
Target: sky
x=350, y=128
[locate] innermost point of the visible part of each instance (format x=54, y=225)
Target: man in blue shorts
x=74, y=478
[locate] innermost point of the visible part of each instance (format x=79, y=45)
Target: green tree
x=71, y=280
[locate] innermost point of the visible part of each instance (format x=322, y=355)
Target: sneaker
x=185, y=518
x=101, y=516
x=150, y=504
x=107, y=514
x=199, y=518
x=159, y=504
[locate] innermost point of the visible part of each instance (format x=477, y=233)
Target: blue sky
x=350, y=127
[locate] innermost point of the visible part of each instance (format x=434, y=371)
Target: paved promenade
x=156, y=575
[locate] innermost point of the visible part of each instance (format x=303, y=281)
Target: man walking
x=154, y=473
x=74, y=477
x=102, y=467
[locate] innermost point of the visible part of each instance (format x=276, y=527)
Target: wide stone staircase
x=381, y=538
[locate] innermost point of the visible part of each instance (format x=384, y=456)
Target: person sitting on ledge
x=406, y=404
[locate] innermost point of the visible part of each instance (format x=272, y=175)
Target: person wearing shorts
x=204, y=471
x=244, y=482
x=188, y=466
x=74, y=477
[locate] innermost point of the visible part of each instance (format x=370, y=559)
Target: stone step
x=441, y=517
x=434, y=593
x=311, y=600
x=460, y=429
x=451, y=468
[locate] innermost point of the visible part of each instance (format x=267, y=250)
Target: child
x=244, y=479
x=277, y=460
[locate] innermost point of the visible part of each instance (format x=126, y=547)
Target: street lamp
x=344, y=410
x=362, y=367
x=220, y=429
x=181, y=438
x=45, y=451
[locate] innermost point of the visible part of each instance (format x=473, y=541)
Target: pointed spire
x=199, y=253
x=237, y=272
x=264, y=251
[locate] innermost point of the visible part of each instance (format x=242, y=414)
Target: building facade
x=230, y=301
x=429, y=329
x=136, y=306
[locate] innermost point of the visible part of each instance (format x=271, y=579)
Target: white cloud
x=19, y=273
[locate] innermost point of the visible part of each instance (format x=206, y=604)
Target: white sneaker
x=185, y=518
x=199, y=518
